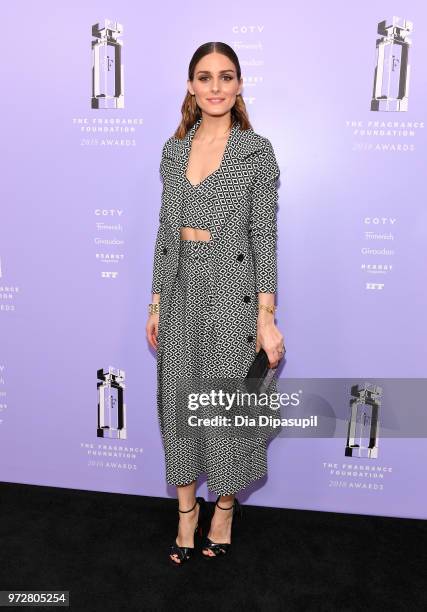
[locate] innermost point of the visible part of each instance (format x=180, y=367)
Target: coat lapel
x=222, y=190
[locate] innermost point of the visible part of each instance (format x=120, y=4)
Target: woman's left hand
x=270, y=339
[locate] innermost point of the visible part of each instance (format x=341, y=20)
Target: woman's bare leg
x=220, y=529
x=186, y=495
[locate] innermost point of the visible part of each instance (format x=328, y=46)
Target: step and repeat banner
x=90, y=95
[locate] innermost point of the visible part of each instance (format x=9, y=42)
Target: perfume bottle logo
x=107, y=67
x=111, y=404
x=391, y=75
x=108, y=62
x=363, y=425
x=394, y=63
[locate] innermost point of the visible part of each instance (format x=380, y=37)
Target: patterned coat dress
x=241, y=197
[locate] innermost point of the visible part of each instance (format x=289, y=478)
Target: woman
x=214, y=284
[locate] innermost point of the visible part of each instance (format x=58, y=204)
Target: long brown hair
x=190, y=110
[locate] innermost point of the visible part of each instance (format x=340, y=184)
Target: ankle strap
x=184, y=511
x=230, y=508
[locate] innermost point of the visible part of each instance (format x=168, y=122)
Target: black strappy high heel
x=185, y=552
x=220, y=549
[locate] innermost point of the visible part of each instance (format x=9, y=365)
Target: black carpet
x=111, y=552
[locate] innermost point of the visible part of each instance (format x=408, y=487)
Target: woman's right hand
x=152, y=330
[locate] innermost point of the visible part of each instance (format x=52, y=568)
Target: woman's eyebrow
x=220, y=72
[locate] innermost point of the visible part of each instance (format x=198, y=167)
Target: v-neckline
x=215, y=171
x=204, y=180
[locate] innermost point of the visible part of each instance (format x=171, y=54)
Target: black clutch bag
x=259, y=374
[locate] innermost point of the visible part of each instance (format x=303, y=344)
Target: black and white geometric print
x=208, y=294
x=194, y=215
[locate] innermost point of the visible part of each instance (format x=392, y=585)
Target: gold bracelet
x=154, y=308
x=270, y=309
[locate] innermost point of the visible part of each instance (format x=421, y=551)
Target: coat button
x=247, y=298
x=250, y=338
x=240, y=257
x=165, y=250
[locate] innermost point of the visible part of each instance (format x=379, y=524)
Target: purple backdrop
x=80, y=194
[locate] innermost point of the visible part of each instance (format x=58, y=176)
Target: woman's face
x=215, y=84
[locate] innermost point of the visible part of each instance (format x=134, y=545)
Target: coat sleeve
x=263, y=220
x=159, y=256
